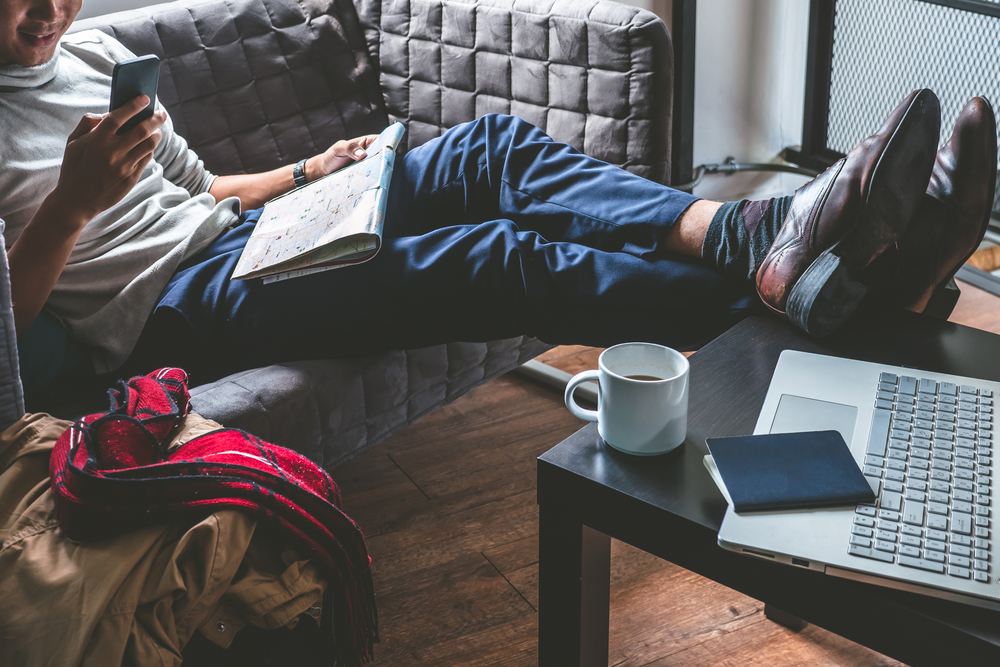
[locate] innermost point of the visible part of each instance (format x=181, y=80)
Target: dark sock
x=742, y=232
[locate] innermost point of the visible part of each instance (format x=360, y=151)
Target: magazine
x=331, y=222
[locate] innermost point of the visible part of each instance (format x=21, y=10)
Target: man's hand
x=338, y=156
x=99, y=167
x=256, y=189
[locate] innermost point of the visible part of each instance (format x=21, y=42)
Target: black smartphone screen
x=133, y=78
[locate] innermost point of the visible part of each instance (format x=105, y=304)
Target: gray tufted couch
x=255, y=84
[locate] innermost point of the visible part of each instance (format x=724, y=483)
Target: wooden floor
x=448, y=507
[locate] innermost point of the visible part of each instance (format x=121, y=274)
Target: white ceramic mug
x=642, y=399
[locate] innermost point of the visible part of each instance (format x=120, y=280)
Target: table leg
x=774, y=614
x=574, y=591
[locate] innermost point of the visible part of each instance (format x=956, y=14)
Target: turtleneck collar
x=18, y=76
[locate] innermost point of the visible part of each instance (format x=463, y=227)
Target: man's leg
x=577, y=251
x=813, y=270
x=461, y=283
x=502, y=167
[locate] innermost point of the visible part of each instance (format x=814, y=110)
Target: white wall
x=749, y=90
x=750, y=62
x=749, y=85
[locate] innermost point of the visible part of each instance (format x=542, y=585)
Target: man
x=492, y=230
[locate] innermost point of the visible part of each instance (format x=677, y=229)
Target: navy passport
x=789, y=470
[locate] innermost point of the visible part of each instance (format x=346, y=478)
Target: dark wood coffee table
x=669, y=506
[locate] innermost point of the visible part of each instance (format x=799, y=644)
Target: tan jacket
x=139, y=597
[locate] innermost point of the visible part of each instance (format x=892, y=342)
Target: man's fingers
x=142, y=132
x=145, y=147
x=147, y=128
x=131, y=173
x=356, y=150
x=359, y=145
x=86, y=124
x=140, y=167
x=120, y=116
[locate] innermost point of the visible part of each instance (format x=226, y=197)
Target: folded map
x=331, y=222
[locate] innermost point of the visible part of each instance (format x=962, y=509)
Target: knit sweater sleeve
x=181, y=165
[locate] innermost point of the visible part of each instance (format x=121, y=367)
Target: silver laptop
x=925, y=443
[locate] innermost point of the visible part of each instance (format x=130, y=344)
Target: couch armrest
x=595, y=74
x=11, y=393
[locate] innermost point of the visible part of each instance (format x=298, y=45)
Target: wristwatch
x=299, y=174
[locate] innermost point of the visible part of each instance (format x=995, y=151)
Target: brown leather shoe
x=952, y=217
x=842, y=220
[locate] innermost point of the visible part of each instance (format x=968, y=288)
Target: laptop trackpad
x=797, y=414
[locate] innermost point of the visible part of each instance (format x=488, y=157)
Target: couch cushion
x=592, y=73
x=257, y=84
x=331, y=410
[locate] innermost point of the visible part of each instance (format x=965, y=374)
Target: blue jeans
x=492, y=230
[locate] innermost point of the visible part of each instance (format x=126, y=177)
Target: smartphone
x=129, y=80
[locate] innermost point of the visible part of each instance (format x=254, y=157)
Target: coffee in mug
x=642, y=398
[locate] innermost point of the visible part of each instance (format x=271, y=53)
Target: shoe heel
x=824, y=297
x=943, y=301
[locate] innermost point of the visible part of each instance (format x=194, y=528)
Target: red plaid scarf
x=111, y=473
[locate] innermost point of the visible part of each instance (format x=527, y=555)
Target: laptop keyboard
x=929, y=457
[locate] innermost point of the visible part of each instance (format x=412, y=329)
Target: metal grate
x=883, y=49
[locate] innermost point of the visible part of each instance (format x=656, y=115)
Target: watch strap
x=299, y=174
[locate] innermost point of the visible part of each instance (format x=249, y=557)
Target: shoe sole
x=829, y=291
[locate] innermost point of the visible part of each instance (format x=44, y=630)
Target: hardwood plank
x=493, y=403
x=518, y=563
x=375, y=491
x=763, y=643
x=504, y=452
x=510, y=644
x=579, y=358
x=480, y=487
x=987, y=259
x=571, y=358
x=433, y=537
x=661, y=614
x=440, y=605
x=977, y=308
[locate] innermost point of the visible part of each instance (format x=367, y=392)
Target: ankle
x=687, y=235
x=741, y=234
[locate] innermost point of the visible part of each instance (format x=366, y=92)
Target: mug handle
x=575, y=381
